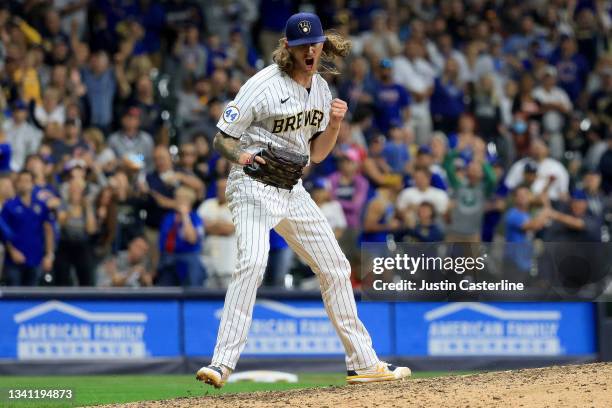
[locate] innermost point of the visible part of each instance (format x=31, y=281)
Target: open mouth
x=309, y=62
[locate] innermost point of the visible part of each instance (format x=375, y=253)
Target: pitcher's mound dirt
x=588, y=385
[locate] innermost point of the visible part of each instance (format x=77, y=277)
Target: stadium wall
x=173, y=330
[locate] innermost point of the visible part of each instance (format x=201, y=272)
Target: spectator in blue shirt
x=391, y=100
x=519, y=226
x=180, y=243
x=5, y=154
x=572, y=68
x=101, y=87
x=447, y=101
x=151, y=15
x=29, y=236
x=396, y=151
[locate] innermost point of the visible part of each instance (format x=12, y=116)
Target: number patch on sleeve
x=231, y=114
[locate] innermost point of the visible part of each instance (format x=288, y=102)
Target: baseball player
x=282, y=119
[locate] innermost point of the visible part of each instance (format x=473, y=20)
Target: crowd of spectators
x=469, y=121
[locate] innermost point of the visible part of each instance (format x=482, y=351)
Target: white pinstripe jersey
x=272, y=108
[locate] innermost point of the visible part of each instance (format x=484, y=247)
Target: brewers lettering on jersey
x=288, y=106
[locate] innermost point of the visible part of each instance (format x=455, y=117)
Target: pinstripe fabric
x=256, y=208
x=264, y=112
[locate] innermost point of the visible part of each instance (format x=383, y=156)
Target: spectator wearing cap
x=396, y=151
x=574, y=224
x=29, y=237
x=554, y=104
x=411, y=197
x=131, y=140
x=572, y=67
x=425, y=159
x=549, y=171
x=391, y=100
x=101, y=85
x=471, y=186
x=599, y=204
x=180, y=243
x=416, y=74
x=520, y=226
x=21, y=135
x=447, y=100
x=71, y=145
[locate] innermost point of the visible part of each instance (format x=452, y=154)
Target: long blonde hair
x=334, y=46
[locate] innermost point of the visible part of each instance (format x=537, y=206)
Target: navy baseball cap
x=424, y=149
x=579, y=195
x=304, y=28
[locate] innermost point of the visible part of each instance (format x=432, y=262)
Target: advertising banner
x=495, y=329
x=89, y=329
x=288, y=328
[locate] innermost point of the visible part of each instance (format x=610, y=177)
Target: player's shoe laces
x=381, y=371
x=213, y=375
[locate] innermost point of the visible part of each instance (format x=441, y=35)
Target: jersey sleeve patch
x=231, y=114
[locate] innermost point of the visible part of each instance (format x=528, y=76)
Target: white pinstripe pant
x=256, y=208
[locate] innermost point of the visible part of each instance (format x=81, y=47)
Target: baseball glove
x=283, y=169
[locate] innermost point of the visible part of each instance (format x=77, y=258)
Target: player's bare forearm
x=322, y=146
x=49, y=238
x=229, y=147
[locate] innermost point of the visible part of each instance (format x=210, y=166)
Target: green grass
x=106, y=389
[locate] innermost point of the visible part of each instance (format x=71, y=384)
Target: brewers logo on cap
x=304, y=26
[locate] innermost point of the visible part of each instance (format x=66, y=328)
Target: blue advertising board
x=495, y=329
x=89, y=329
x=284, y=328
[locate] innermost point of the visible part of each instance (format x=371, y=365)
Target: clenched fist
x=337, y=111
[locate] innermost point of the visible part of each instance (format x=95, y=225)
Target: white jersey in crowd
x=271, y=108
